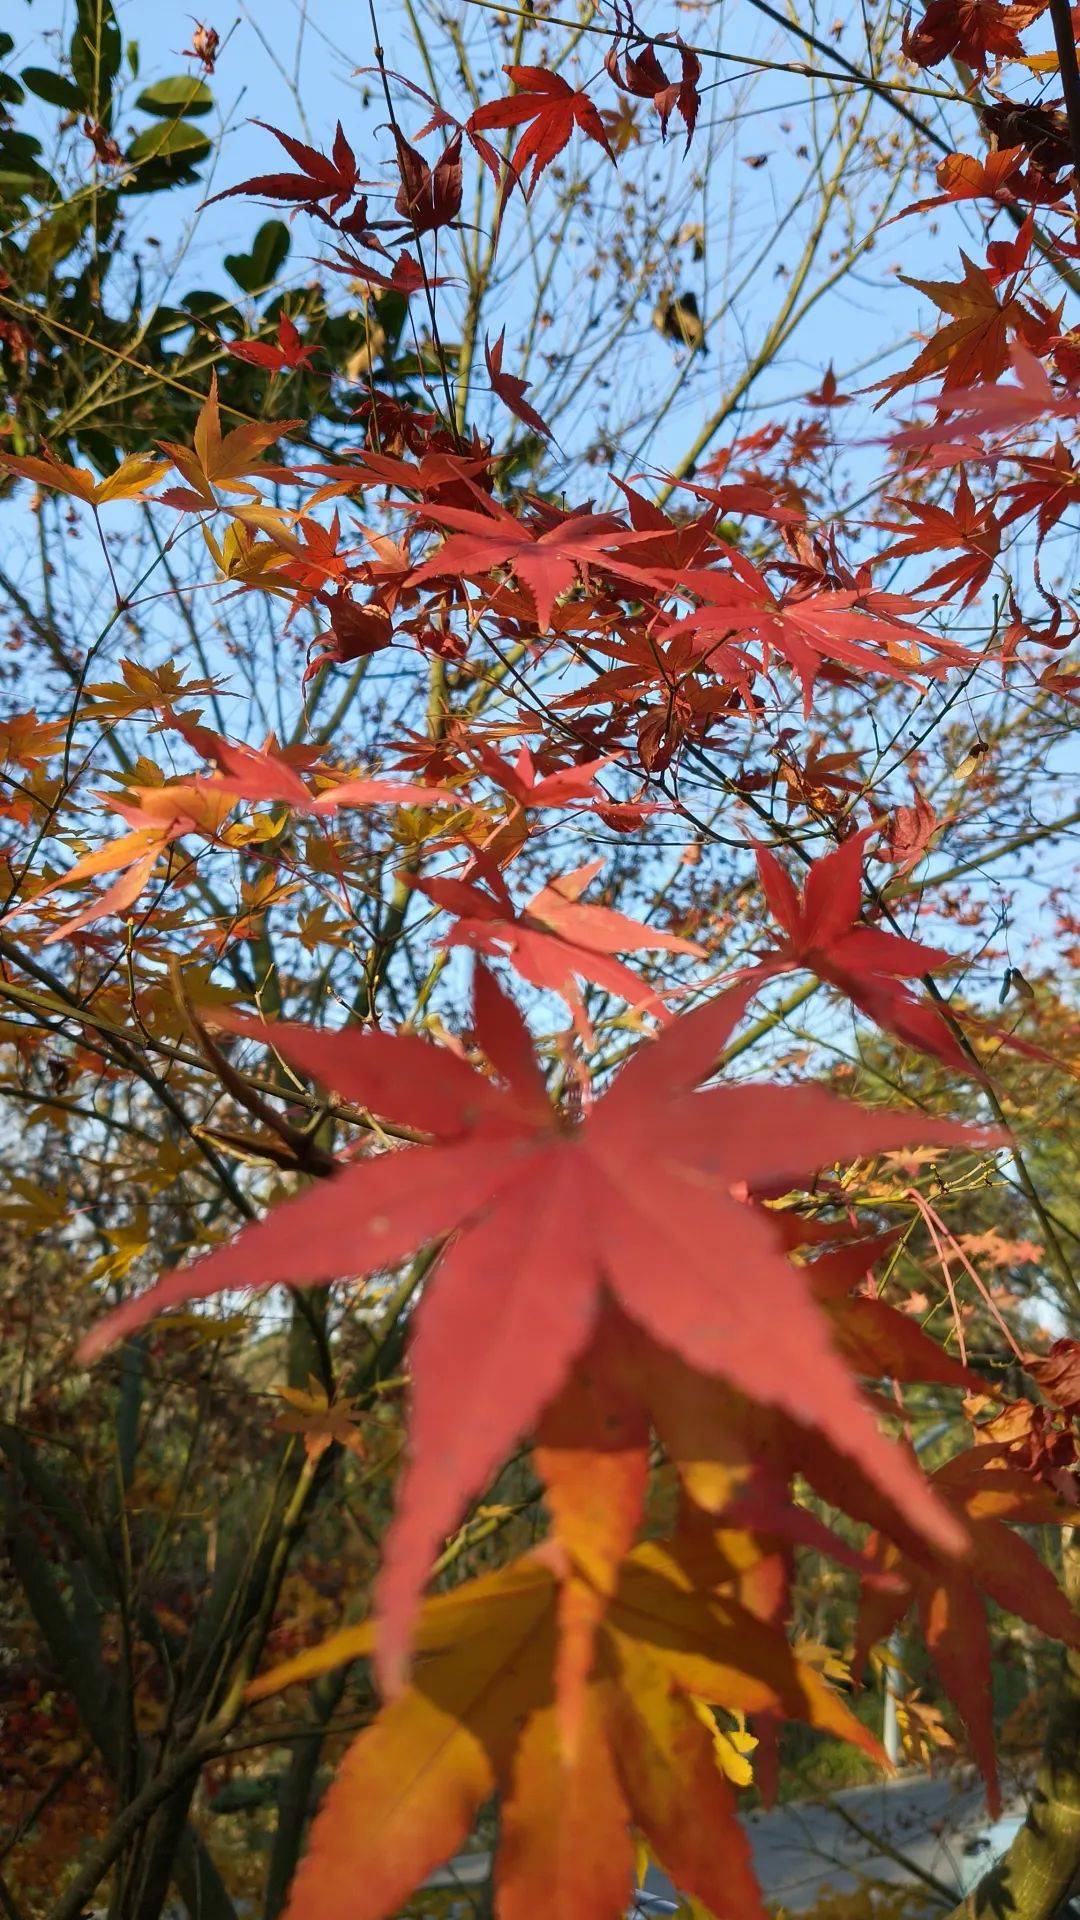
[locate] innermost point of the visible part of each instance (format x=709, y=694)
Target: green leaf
x=7, y=45
x=269, y=250
x=96, y=52
x=214, y=310
x=52, y=241
x=16, y=182
x=18, y=149
x=10, y=91
x=392, y=310
x=170, y=140
x=165, y=320
x=20, y=179
x=182, y=94
x=56, y=88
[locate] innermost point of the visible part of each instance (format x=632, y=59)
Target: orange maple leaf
x=157, y=816
x=481, y=1714
x=320, y=1421
x=223, y=461
x=973, y=345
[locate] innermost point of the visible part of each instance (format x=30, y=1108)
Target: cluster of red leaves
x=979, y=32
x=635, y=67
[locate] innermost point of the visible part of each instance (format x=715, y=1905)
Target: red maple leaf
x=332, y=179
x=511, y=390
x=857, y=627
x=823, y=932
x=640, y=1204
x=664, y=542
x=908, y=832
x=546, y=559
x=674, y=678
x=637, y=70
x=975, y=31
x=1057, y=1374
x=986, y=1492
x=269, y=774
x=1050, y=487
x=828, y=394
x=289, y=350
x=527, y=787
x=428, y=197
x=355, y=630
x=737, y=1459
x=973, y=343
x=876, y=1339
x=551, y=109
x=973, y=528
x=555, y=936
x=991, y=407
x=406, y=276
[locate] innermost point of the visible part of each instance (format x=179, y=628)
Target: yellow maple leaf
x=320, y=1420
x=242, y=557
x=143, y=689
x=481, y=1714
x=733, y=1745
x=224, y=460
x=132, y=478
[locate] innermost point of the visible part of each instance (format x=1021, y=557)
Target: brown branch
x=132, y=1058
x=132, y=1819
x=883, y=91
x=303, y=1151
x=1065, y=41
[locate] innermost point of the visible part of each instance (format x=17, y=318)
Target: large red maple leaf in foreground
x=645, y=1202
